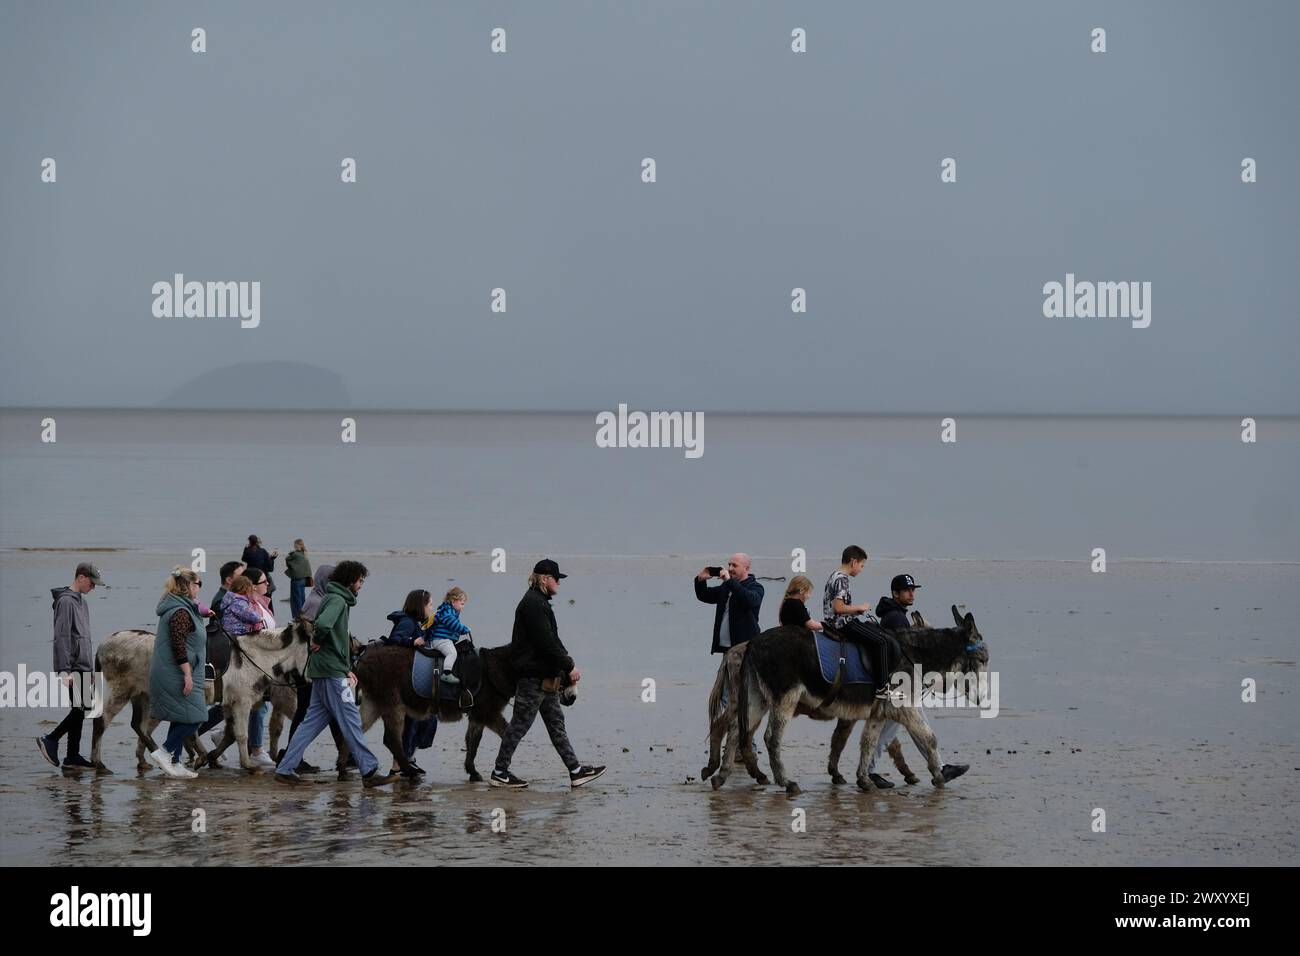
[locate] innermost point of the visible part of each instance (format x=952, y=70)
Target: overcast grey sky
x=775, y=170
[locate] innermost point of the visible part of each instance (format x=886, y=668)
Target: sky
x=775, y=170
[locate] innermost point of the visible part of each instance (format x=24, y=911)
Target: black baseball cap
x=902, y=582
x=547, y=566
x=90, y=571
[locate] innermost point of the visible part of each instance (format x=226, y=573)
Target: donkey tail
x=742, y=699
x=715, y=695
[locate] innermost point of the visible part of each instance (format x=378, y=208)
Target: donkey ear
x=968, y=622
x=918, y=620
x=956, y=616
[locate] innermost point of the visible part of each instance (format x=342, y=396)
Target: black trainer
x=77, y=762
x=508, y=780
x=375, y=779
x=49, y=750
x=882, y=783
x=305, y=767
x=584, y=774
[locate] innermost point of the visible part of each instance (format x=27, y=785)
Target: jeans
x=297, y=596
x=331, y=698
x=257, y=724
x=418, y=734
x=888, y=733
x=176, y=736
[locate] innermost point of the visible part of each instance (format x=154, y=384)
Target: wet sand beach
x=1118, y=691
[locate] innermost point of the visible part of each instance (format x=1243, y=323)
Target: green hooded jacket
x=334, y=659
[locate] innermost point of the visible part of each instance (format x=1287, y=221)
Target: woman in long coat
x=176, y=672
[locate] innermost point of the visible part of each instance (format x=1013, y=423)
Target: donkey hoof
x=951, y=771
x=838, y=779
x=912, y=780
x=475, y=777
x=717, y=783
x=792, y=788
x=707, y=772
x=762, y=780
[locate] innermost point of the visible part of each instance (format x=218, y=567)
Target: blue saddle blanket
x=422, y=674
x=856, y=668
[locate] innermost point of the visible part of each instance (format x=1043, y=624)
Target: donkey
x=844, y=729
x=781, y=671
x=274, y=660
x=384, y=681
x=124, y=658
x=720, y=719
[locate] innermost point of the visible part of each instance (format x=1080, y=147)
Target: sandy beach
x=1119, y=692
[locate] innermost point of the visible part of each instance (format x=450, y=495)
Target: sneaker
x=163, y=761
x=449, y=678
x=882, y=783
x=893, y=696
x=49, y=750
x=373, y=779
x=77, y=762
x=584, y=774
x=417, y=768
x=305, y=767
x=289, y=778
x=262, y=760
x=508, y=780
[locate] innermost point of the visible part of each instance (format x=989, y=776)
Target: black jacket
x=535, y=646
x=740, y=601
x=892, y=614
x=261, y=559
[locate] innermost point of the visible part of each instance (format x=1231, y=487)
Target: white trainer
x=262, y=760
x=164, y=762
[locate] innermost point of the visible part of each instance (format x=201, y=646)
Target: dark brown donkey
x=385, y=691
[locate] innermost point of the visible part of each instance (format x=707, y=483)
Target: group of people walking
x=328, y=698
x=739, y=597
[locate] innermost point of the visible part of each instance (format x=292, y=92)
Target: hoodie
x=72, y=649
x=322, y=579
x=892, y=614
x=334, y=659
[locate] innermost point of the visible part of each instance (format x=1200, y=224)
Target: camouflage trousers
x=529, y=700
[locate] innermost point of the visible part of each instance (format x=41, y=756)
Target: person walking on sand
x=410, y=630
x=229, y=571
x=298, y=569
x=179, y=653
x=738, y=601
x=320, y=581
x=74, y=656
x=540, y=660
x=256, y=556
x=329, y=668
